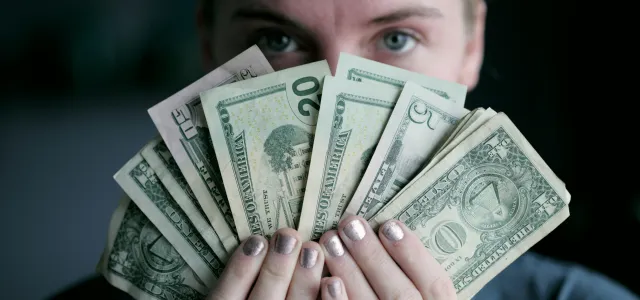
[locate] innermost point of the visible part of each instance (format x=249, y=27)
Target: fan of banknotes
x=246, y=150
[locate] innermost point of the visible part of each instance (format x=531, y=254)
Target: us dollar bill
x=182, y=124
x=419, y=123
x=483, y=205
x=351, y=120
x=144, y=187
x=461, y=124
x=262, y=131
x=478, y=118
x=159, y=158
x=360, y=69
x=138, y=260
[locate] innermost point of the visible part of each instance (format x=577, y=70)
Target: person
x=438, y=38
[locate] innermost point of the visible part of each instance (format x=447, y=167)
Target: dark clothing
x=533, y=276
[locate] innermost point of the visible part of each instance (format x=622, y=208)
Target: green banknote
x=360, y=69
x=262, y=131
x=144, y=187
x=419, y=123
x=141, y=262
x=482, y=205
x=351, y=120
x=182, y=124
x=159, y=158
x=476, y=119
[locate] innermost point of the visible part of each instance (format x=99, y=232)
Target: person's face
x=427, y=36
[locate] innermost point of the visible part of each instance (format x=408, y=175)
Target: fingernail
x=334, y=246
x=284, y=244
x=335, y=288
x=392, y=231
x=253, y=246
x=308, y=258
x=355, y=230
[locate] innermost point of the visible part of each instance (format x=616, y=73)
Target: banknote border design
x=217, y=192
x=399, y=135
x=214, y=263
x=157, y=149
x=112, y=274
x=429, y=210
x=387, y=80
x=253, y=221
x=317, y=229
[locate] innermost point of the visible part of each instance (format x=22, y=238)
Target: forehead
x=314, y=13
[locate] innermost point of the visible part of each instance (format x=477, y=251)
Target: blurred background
x=79, y=76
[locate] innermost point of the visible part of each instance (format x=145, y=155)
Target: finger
x=421, y=267
x=277, y=269
x=241, y=270
x=341, y=264
x=383, y=274
x=305, y=283
x=333, y=289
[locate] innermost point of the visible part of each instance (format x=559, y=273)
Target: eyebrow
x=408, y=12
x=264, y=14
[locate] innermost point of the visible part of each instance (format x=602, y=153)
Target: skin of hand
x=392, y=264
x=282, y=268
x=438, y=38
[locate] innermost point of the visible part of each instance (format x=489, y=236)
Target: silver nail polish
x=284, y=244
x=334, y=246
x=253, y=246
x=392, y=231
x=335, y=288
x=308, y=258
x=355, y=230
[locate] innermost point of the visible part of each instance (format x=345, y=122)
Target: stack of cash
x=246, y=150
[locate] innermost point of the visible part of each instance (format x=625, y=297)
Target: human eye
x=397, y=41
x=275, y=41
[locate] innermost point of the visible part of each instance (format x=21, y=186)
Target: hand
x=394, y=266
x=281, y=268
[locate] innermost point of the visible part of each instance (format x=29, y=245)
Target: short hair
x=469, y=12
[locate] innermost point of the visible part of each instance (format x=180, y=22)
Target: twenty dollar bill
x=262, y=132
x=182, y=124
x=351, y=120
x=484, y=204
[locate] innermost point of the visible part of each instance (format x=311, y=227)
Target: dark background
x=78, y=77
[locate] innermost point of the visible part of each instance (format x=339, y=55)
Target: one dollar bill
x=144, y=187
x=141, y=262
x=364, y=70
x=182, y=124
x=351, y=120
x=419, y=123
x=484, y=204
x=262, y=132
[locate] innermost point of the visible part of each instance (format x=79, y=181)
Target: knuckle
x=442, y=288
x=275, y=273
x=406, y=294
x=373, y=256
